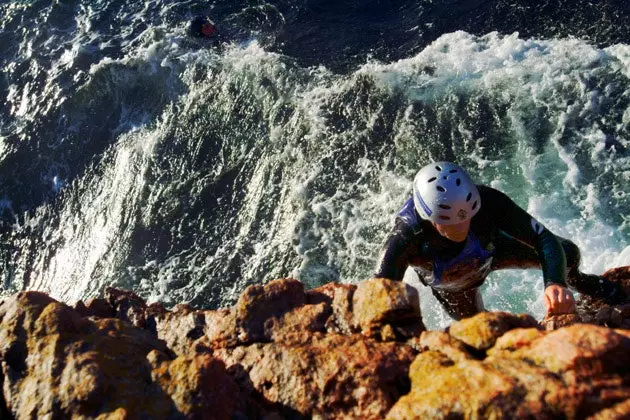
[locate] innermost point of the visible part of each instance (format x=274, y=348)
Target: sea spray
x=187, y=172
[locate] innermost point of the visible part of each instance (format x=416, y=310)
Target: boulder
x=180, y=329
x=199, y=385
x=619, y=275
x=584, y=350
x=258, y=304
x=299, y=324
x=442, y=342
x=620, y=411
x=482, y=330
x=99, y=308
x=332, y=376
x=554, y=322
x=378, y=302
x=58, y=364
x=338, y=351
x=515, y=339
x=127, y=306
x=444, y=389
x=572, y=373
x=339, y=297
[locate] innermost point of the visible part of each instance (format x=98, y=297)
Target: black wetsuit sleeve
x=519, y=224
x=394, y=257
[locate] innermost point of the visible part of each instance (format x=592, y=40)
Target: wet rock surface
x=337, y=351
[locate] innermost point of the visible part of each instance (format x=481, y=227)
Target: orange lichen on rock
x=337, y=351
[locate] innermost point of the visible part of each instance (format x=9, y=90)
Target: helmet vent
x=469, y=197
x=474, y=205
x=458, y=182
x=440, y=188
x=452, y=171
x=432, y=179
x=444, y=218
x=438, y=168
x=445, y=207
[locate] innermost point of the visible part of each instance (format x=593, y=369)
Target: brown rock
x=441, y=342
x=503, y=387
x=381, y=301
x=259, y=303
x=299, y=324
x=221, y=328
x=515, y=339
x=553, y=322
x=339, y=297
x=616, y=318
x=58, y=364
x=586, y=350
x=387, y=333
x=620, y=411
x=603, y=315
x=335, y=376
x=127, y=305
x=619, y=275
x=180, y=329
x=62, y=363
x=198, y=385
x=482, y=330
x=99, y=308
x=442, y=389
x=619, y=313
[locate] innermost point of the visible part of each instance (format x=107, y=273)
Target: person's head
x=201, y=26
x=444, y=194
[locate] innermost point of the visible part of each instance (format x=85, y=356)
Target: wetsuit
x=502, y=235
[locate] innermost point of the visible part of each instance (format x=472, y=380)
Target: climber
x=453, y=233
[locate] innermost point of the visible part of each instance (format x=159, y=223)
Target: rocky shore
x=338, y=351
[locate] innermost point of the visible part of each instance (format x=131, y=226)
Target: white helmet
x=444, y=193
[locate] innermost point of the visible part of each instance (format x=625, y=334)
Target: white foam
x=328, y=178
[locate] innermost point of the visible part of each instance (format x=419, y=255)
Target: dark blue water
x=186, y=169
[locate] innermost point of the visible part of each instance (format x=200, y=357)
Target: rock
x=199, y=386
x=553, y=322
x=259, y=303
x=619, y=314
x=299, y=324
x=524, y=376
x=127, y=305
x=99, y=308
x=220, y=328
x=180, y=329
x=619, y=275
x=339, y=297
x=381, y=301
x=441, y=342
x=334, y=376
x=585, y=350
x=58, y=364
x=620, y=411
x=387, y=333
x=515, y=339
x=482, y=330
x=337, y=351
x=442, y=389
x=603, y=315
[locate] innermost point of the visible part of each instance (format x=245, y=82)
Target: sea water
x=135, y=156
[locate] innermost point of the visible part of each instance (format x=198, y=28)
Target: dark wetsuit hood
x=196, y=25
